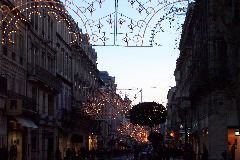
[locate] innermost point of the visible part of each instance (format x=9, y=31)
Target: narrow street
x=109, y=157
x=110, y=79
x=123, y=158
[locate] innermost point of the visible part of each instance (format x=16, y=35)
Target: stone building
x=114, y=115
x=48, y=70
x=207, y=77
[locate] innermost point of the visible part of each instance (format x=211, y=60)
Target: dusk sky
x=144, y=68
x=149, y=68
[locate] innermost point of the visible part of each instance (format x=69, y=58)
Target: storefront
x=63, y=142
x=19, y=137
x=233, y=148
x=92, y=142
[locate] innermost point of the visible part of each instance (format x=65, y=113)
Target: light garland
x=33, y=12
x=17, y=17
x=147, y=10
x=137, y=132
x=104, y=105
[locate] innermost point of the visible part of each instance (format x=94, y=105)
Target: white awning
x=26, y=122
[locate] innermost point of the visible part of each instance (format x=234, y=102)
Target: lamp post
x=140, y=91
x=141, y=94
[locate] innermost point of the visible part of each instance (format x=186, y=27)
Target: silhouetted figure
x=5, y=152
x=136, y=153
x=233, y=148
x=79, y=153
x=73, y=154
x=83, y=151
x=189, y=153
x=58, y=154
x=93, y=153
x=224, y=155
x=205, y=153
x=68, y=154
x=13, y=151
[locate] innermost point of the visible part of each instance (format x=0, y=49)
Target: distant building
x=113, y=116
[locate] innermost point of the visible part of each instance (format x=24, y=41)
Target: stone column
x=218, y=127
x=55, y=142
x=28, y=154
x=40, y=145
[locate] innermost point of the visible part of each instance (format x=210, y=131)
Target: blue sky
x=149, y=68
x=140, y=68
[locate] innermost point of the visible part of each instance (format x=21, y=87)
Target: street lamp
x=140, y=91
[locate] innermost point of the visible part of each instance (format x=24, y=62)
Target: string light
x=19, y=17
x=98, y=105
x=147, y=10
x=137, y=132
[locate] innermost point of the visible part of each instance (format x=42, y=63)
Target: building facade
x=48, y=70
x=207, y=76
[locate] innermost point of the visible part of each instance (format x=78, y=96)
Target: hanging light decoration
x=137, y=132
x=143, y=23
x=105, y=105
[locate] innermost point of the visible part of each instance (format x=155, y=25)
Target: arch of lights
x=108, y=23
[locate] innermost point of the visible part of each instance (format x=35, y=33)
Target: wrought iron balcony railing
x=18, y=104
x=37, y=73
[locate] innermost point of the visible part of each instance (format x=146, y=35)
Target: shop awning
x=26, y=122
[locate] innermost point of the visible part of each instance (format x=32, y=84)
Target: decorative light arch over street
x=135, y=23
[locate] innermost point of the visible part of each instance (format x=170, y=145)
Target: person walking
x=68, y=154
x=58, y=154
x=233, y=148
x=205, y=153
x=13, y=151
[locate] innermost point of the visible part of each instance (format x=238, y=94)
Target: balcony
x=17, y=104
x=41, y=75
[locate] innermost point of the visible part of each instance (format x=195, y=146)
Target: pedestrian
x=58, y=154
x=68, y=154
x=233, y=148
x=205, y=153
x=224, y=155
x=93, y=153
x=136, y=153
x=79, y=153
x=13, y=151
x=167, y=152
x=73, y=154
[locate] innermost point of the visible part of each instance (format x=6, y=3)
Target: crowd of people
x=85, y=154
x=10, y=154
x=72, y=154
x=165, y=152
